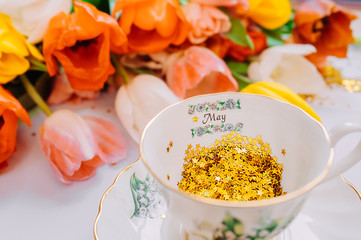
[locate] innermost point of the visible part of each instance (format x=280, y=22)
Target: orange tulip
x=151, y=25
x=325, y=25
x=240, y=53
x=10, y=111
x=196, y=71
x=82, y=42
x=76, y=146
x=225, y=47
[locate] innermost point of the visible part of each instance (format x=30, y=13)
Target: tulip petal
x=198, y=70
x=65, y=163
x=9, y=123
x=270, y=14
x=8, y=101
x=62, y=91
x=82, y=42
x=76, y=146
x=326, y=25
x=109, y=138
x=12, y=65
x=162, y=23
x=286, y=65
x=124, y=110
x=140, y=100
x=205, y=21
x=31, y=18
x=68, y=131
x=58, y=173
x=87, y=169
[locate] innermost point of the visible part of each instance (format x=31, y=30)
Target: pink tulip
x=76, y=146
x=196, y=71
x=205, y=21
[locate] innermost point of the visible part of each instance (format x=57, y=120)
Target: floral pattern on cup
x=232, y=228
x=214, y=128
x=230, y=104
x=148, y=201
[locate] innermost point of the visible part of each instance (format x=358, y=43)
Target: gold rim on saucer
x=103, y=197
x=351, y=185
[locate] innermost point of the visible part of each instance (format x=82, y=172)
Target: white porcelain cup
x=203, y=119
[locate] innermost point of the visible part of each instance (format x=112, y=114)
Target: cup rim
x=252, y=203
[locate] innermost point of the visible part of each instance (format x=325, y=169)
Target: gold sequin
x=237, y=168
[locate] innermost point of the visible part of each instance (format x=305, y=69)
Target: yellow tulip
x=14, y=50
x=282, y=93
x=270, y=14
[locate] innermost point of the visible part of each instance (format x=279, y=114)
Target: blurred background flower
x=287, y=65
x=31, y=17
x=325, y=25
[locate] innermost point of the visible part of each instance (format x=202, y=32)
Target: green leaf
x=271, y=227
x=239, y=67
x=100, y=4
x=133, y=188
x=278, y=36
x=274, y=41
x=228, y=221
x=243, y=81
x=238, y=33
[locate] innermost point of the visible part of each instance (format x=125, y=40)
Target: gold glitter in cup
x=235, y=168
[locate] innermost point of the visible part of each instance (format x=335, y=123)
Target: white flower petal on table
x=140, y=100
x=286, y=65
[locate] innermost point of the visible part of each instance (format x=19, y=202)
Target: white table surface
x=34, y=204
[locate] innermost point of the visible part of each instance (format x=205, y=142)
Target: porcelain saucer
x=132, y=208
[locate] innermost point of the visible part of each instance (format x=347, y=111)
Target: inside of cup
x=298, y=141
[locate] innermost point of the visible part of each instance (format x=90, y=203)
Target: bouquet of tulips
x=153, y=53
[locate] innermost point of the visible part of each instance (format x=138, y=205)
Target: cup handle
x=336, y=134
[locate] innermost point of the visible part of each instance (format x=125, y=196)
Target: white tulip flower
x=31, y=17
x=137, y=102
x=287, y=65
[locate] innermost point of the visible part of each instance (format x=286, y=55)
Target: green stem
x=119, y=69
x=37, y=65
x=35, y=95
